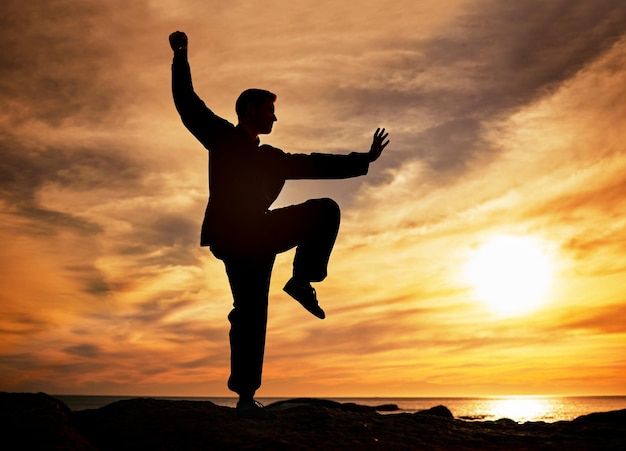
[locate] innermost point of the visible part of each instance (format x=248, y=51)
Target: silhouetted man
x=245, y=178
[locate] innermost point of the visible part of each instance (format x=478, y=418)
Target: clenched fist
x=178, y=40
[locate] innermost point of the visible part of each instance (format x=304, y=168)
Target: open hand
x=378, y=144
x=178, y=40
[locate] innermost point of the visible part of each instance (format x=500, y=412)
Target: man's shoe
x=305, y=295
x=253, y=410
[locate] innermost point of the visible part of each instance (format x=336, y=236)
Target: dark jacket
x=245, y=178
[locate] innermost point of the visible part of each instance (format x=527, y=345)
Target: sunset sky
x=507, y=122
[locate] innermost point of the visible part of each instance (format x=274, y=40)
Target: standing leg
x=249, y=282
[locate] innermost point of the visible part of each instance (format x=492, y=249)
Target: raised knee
x=329, y=207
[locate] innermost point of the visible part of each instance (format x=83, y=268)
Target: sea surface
x=518, y=408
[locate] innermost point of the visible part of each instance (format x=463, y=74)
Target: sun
x=511, y=274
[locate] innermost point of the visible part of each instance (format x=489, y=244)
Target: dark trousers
x=312, y=228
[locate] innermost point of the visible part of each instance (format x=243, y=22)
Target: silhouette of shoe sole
x=254, y=411
x=306, y=296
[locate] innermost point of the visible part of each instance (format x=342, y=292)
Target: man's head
x=255, y=110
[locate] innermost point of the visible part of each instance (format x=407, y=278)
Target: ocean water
x=517, y=408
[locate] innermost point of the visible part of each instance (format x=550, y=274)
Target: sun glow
x=523, y=408
x=511, y=274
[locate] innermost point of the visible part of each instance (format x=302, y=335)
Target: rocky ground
x=37, y=421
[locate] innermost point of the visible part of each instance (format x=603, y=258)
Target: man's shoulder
x=271, y=150
x=223, y=124
x=223, y=130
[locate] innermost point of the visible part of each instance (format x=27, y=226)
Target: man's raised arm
x=199, y=119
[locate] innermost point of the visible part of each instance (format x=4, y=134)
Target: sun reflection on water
x=524, y=408
x=520, y=409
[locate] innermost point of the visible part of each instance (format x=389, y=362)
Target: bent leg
x=313, y=253
x=249, y=282
x=312, y=228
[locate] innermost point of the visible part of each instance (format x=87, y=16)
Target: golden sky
x=508, y=125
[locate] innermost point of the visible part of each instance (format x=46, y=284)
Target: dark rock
x=614, y=417
x=348, y=407
x=38, y=421
x=438, y=411
x=387, y=408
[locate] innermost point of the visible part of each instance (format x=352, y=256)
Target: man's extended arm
x=330, y=166
x=199, y=119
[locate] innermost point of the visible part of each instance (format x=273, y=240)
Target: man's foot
x=305, y=295
x=253, y=410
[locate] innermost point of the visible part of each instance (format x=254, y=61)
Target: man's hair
x=254, y=97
